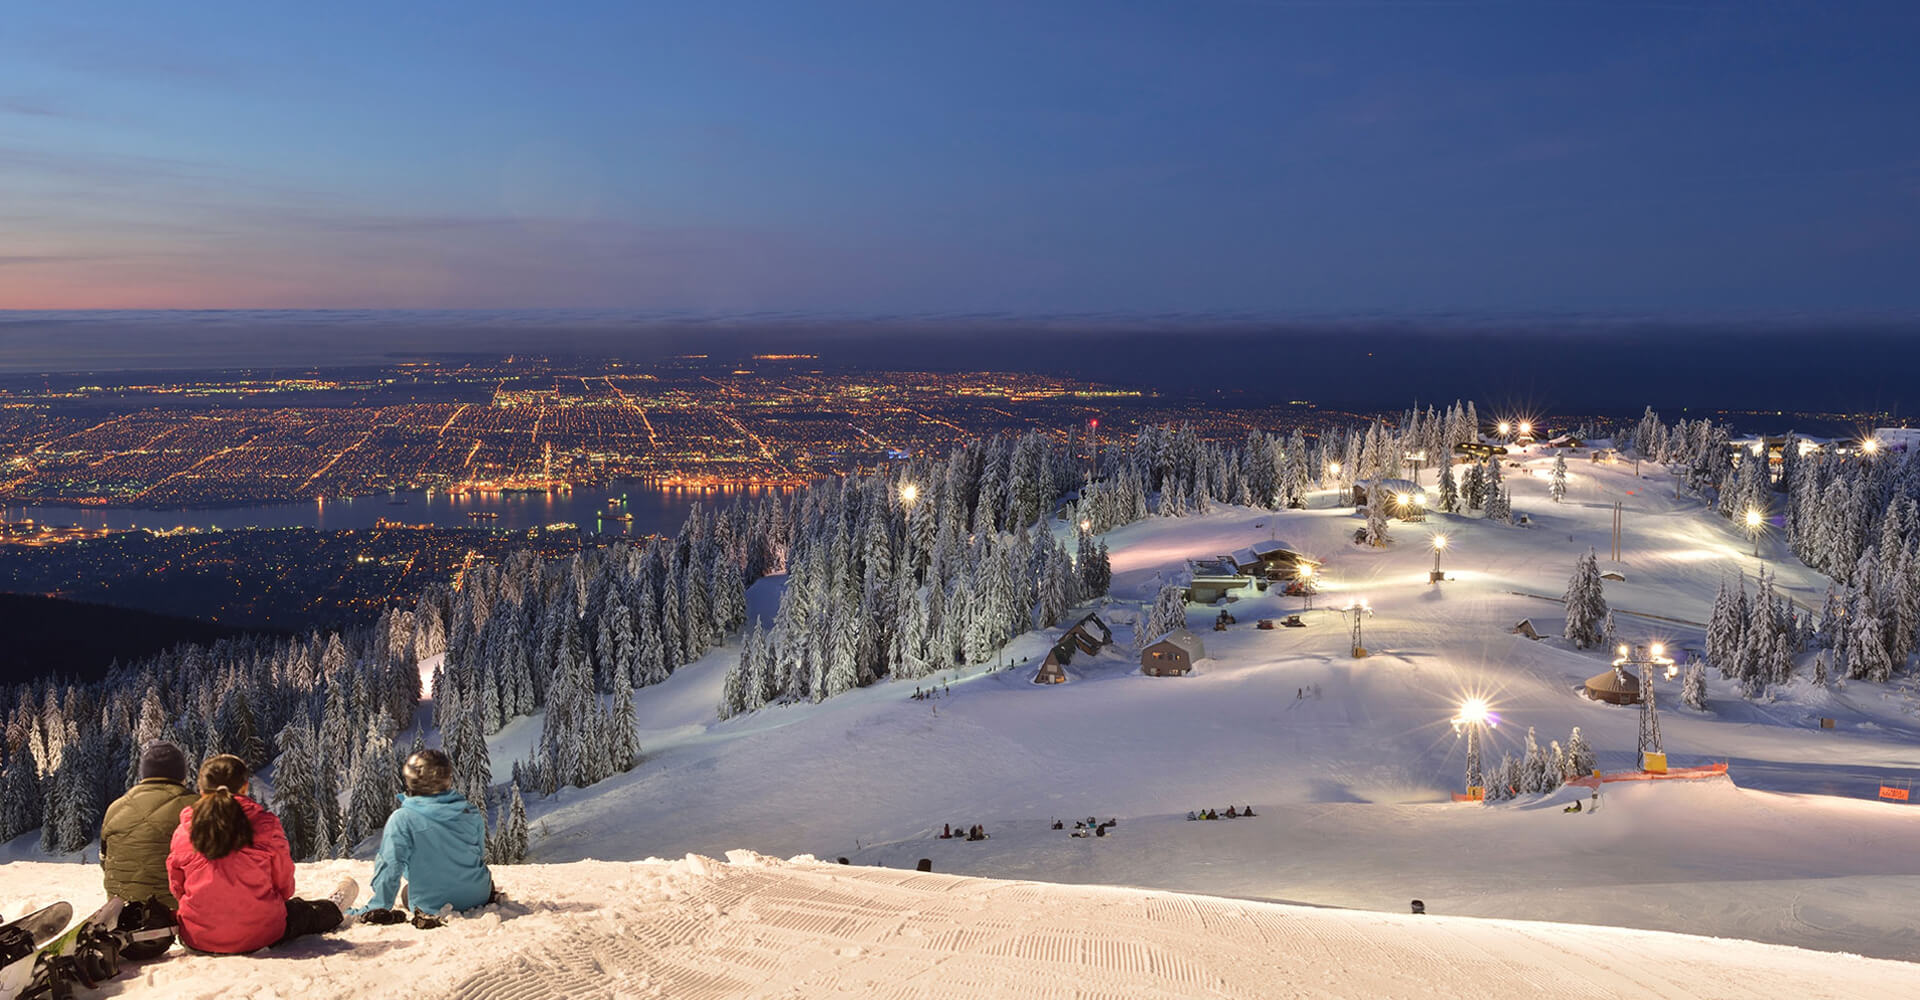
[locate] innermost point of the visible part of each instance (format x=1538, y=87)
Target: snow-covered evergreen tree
x=1586, y=603
x=1580, y=756
x=1693, y=687
x=1557, y=484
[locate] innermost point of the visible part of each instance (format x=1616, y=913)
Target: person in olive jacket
x=139, y=826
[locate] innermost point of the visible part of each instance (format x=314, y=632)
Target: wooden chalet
x=1088, y=635
x=1172, y=655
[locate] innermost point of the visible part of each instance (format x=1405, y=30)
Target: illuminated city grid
x=207, y=439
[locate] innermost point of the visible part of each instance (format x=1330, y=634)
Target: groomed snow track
x=703, y=929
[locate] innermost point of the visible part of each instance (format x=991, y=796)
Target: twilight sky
x=1265, y=156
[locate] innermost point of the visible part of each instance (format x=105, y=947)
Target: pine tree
x=1580, y=757
x=1375, y=533
x=294, y=783
x=1449, y=490
x=1585, y=601
x=1557, y=485
x=375, y=783
x=515, y=830
x=1693, y=688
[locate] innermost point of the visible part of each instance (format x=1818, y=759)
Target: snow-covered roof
x=1614, y=680
x=1898, y=438
x=1220, y=569
x=1186, y=640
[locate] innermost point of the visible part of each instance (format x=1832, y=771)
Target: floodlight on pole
x=1504, y=428
x=1439, y=546
x=909, y=493
x=1869, y=446
x=1475, y=715
x=1754, y=521
x=1652, y=754
x=1357, y=610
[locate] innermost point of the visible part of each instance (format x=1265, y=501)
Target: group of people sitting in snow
x=931, y=692
x=1089, y=827
x=215, y=867
x=1231, y=813
x=974, y=832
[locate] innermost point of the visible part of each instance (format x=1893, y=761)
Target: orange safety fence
x=1895, y=794
x=1707, y=771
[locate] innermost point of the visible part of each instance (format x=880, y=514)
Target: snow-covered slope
x=700, y=928
x=1349, y=764
x=1353, y=781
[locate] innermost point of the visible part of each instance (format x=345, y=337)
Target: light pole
x=1474, y=716
x=1439, y=546
x=1652, y=755
x=1357, y=610
x=1526, y=428
x=1305, y=575
x=1415, y=458
x=1754, y=522
x=1506, y=431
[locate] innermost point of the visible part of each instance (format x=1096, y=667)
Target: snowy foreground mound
x=757, y=927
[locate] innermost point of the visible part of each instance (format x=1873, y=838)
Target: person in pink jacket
x=231, y=870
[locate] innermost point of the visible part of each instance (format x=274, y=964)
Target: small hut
x=1053, y=670
x=1615, y=687
x=1171, y=655
x=1525, y=627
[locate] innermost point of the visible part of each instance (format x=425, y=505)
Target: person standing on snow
x=230, y=868
x=436, y=840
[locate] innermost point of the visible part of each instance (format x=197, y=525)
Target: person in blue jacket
x=436, y=841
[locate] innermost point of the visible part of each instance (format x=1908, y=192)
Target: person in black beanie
x=137, y=830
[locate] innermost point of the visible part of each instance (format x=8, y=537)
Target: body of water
x=646, y=509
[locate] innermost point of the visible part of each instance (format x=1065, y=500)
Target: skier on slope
x=436, y=840
x=135, y=833
x=231, y=870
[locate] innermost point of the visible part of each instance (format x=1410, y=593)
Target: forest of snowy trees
x=906, y=587
x=882, y=582
x=1851, y=515
x=940, y=562
x=332, y=714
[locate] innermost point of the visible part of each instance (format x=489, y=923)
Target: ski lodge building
x=1172, y=655
x=1615, y=687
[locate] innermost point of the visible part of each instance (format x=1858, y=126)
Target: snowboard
x=20, y=944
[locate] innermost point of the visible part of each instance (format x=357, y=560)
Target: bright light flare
x=1753, y=518
x=1657, y=650
x=1475, y=711
x=909, y=492
x=1504, y=427
x=1439, y=542
x=1869, y=446
x=1526, y=427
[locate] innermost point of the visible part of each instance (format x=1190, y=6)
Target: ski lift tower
x=1652, y=755
x=1358, y=611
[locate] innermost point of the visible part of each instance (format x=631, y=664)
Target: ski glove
x=384, y=916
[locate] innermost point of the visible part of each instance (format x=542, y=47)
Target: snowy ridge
x=755, y=927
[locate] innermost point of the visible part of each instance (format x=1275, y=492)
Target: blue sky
x=1267, y=157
